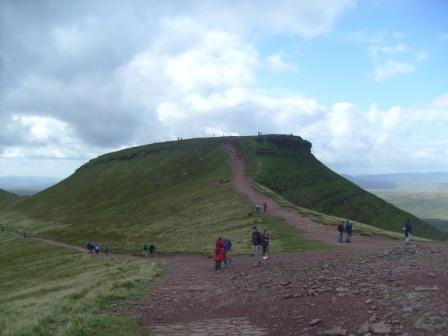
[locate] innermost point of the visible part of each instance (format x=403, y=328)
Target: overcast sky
x=366, y=82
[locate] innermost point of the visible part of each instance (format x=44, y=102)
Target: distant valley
x=425, y=195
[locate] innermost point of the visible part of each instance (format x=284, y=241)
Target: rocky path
x=374, y=286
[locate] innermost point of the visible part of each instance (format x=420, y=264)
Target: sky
x=365, y=81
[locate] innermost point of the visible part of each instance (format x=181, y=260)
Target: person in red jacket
x=265, y=206
x=219, y=254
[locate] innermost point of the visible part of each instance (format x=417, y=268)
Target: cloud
x=277, y=63
x=378, y=50
x=392, y=69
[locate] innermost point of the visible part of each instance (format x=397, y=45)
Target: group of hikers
x=149, y=250
x=95, y=248
x=223, y=250
x=260, y=249
x=258, y=208
x=347, y=230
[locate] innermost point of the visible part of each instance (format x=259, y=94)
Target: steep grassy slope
x=168, y=194
x=48, y=291
x=285, y=165
x=7, y=199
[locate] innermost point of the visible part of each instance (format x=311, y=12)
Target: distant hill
x=7, y=199
x=415, y=182
x=177, y=195
x=26, y=185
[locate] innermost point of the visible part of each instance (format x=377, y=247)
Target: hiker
x=97, y=249
x=257, y=207
x=340, y=233
x=407, y=231
x=151, y=250
x=219, y=254
x=257, y=241
x=90, y=247
x=107, y=250
x=145, y=249
x=348, y=231
x=227, y=251
x=265, y=206
x=265, y=245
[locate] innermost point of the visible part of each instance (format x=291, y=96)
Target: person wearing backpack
x=340, y=233
x=407, y=231
x=219, y=254
x=348, y=228
x=227, y=251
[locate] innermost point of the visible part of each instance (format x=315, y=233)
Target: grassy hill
x=7, y=199
x=169, y=194
x=176, y=195
x=285, y=165
x=45, y=290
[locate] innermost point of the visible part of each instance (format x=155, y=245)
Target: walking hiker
x=348, y=228
x=256, y=243
x=265, y=245
x=219, y=254
x=227, y=251
x=145, y=249
x=90, y=247
x=151, y=250
x=97, y=249
x=107, y=250
x=407, y=231
x=257, y=207
x=265, y=206
x=340, y=233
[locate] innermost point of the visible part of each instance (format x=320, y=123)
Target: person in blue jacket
x=407, y=231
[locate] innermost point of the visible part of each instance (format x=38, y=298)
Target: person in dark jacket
x=340, y=233
x=219, y=253
x=407, y=231
x=348, y=228
x=227, y=251
x=265, y=245
x=257, y=242
x=151, y=250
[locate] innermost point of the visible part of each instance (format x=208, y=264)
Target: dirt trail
x=316, y=231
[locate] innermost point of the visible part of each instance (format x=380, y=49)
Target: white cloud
x=383, y=49
x=277, y=63
x=392, y=69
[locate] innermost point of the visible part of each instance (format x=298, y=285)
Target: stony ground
x=401, y=291
x=375, y=286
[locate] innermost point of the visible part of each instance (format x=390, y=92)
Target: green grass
x=168, y=194
x=46, y=291
x=285, y=165
x=7, y=199
x=361, y=228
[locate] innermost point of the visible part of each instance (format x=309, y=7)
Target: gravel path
x=374, y=286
